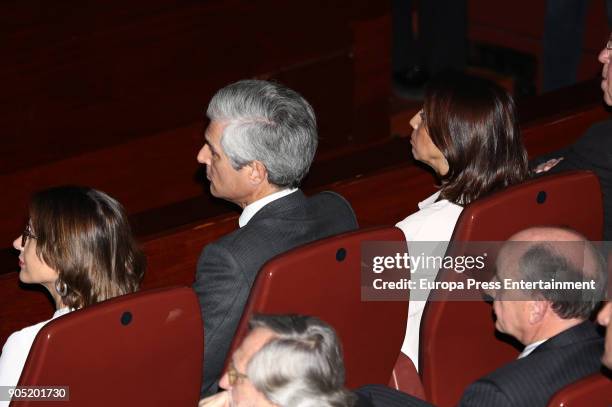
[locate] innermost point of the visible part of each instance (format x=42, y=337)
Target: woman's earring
x=61, y=287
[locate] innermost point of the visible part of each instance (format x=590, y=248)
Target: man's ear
x=537, y=310
x=258, y=172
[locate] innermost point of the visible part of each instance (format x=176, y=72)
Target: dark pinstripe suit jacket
x=532, y=380
x=227, y=268
x=593, y=151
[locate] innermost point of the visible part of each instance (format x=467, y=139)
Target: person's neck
x=549, y=329
x=440, y=166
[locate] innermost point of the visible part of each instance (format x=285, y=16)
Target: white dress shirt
x=530, y=348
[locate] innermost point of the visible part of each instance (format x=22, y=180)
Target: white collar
x=530, y=348
x=61, y=311
x=429, y=200
x=251, y=209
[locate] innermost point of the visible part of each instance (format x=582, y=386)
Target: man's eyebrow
x=207, y=141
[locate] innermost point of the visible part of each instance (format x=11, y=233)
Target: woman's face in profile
x=423, y=149
x=33, y=268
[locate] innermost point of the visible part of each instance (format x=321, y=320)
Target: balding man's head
x=553, y=256
x=562, y=255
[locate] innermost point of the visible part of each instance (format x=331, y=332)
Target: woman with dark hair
x=79, y=246
x=468, y=133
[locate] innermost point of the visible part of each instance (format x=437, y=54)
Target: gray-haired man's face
x=225, y=182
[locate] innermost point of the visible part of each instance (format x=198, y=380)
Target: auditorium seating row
x=172, y=253
x=172, y=257
x=323, y=279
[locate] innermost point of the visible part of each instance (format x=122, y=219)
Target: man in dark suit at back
x=260, y=142
x=592, y=151
x=561, y=344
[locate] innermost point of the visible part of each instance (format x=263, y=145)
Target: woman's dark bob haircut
x=84, y=235
x=473, y=122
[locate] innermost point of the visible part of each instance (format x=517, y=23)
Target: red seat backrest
x=592, y=391
x=458, y=341
x=138, y=349
x=323, y=279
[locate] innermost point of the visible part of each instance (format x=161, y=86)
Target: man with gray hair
x=286, y=361
x=260, y=142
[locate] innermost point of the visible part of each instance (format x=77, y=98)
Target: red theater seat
x=458, y=342
x=592, y=391
x=323, y=279
x=143, y=349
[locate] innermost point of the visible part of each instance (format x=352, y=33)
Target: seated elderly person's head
x=467, y=132
x=551, y=279
x=285, y=360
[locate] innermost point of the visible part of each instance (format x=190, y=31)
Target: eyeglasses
x=234, y=375
x=27, y=233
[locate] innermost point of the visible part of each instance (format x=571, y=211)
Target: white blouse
x=16, y=350
x=434, y=222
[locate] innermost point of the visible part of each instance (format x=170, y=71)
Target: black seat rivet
x=126, y=318
x=541, y=198
x=341, y=254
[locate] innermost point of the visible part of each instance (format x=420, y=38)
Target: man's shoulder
x=577, y=349
x=334, y=205
x=330, y=197
x=576, y=352
x=323, y=202
x=287, y=223
x=324, y=210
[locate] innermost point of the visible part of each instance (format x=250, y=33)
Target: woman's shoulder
x=433, y=221
x=24, y=337
x=15, y=353
x=17, y=347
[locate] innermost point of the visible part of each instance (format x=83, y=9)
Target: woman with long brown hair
x=79, y=246
x=467, y=132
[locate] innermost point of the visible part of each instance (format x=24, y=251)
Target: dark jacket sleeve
x=484, y=393
x=222, y=291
